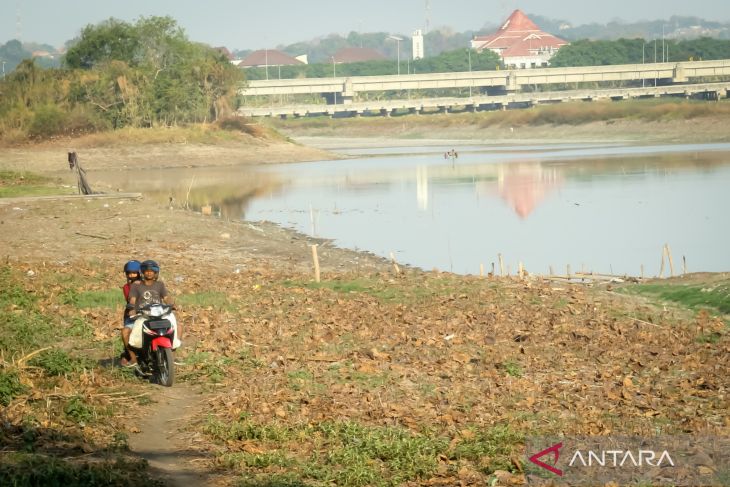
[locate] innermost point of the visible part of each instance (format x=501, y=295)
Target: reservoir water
x=603, y=208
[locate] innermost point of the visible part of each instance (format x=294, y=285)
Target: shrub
x=47, y=122
x=10, y=387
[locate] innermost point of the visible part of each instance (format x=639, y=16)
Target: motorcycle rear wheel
x=165, y=366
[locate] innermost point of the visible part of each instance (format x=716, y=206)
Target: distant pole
x=663, y=43
x=334, y=75
x=266, y=61
x=397, y=40
x=643, y=61
x=468, y=54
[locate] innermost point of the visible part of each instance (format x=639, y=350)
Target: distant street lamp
x=397, y=40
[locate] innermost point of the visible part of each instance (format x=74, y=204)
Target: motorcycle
x=154, y=348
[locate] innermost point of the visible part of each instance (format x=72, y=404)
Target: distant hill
x=321, y=49
x=437, y=41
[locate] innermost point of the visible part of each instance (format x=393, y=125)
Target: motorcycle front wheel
x=165, y=366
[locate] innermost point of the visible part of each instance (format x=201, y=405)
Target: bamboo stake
x=187, y=196
x=684, y=265
x=671, y=262
x=481, y=270
x=501, y=265
x=395, y=264
x=316, y=262
x=567, y=268
x=492, y=268
x=642, y=271
x=520, y=270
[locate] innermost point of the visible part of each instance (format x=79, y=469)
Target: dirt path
x=163, y=441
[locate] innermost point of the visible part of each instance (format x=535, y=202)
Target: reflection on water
x=597, y=208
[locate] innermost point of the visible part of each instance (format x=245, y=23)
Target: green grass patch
x=357, y=286
x=512, y=368
x=215, y=299
x=205, y=366
x=13, y=184
x=347, y=453
x=711, y=296
x=57, y=362
x=10, y=386
x=30, y=470
x=110, y=298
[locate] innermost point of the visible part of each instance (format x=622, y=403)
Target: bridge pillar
x=678, y=75
x=511, y=82
x=385, y=112
x=348, y=92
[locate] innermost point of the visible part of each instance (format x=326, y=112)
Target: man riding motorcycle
x=152, y=291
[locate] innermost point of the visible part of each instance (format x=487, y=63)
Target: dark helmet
x=132, y=266
x=150, y=265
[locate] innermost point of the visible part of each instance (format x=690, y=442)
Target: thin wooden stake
x=315, y=258
x=552, y=272
x=567, y=269
x=481, y=270
x=671, y=262
x=684, y=265
x=520, y=270
x=395, y=264
x=642, y=271
x=492, y=268
x=501, y=265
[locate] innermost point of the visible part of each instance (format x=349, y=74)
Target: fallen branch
x=31, y=354
x=104, y=237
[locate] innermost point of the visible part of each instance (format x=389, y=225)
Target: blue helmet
x=150, y=265
x=132, y=266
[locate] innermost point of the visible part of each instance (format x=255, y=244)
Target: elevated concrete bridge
x=513, y=80
x=712, y=91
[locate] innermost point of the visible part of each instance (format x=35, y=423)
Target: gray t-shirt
x=144, y=294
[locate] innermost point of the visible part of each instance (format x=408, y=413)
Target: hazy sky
x=248, y=24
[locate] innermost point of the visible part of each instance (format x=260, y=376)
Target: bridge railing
x=509, y=80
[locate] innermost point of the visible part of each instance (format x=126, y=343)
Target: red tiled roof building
x=520, y=43
x=357, y=55
x=268, y=57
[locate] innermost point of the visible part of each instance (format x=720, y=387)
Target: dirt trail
x=162, y=441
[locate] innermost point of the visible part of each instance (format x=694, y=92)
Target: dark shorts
x=128, y=322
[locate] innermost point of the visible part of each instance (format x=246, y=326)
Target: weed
x=77, y=410
x=59, y=362
x=26, y=470
x=497, y=444
x=10, y=387
x=255, y=460
x=512, y=368
x=79, y=328
x=24, y=331
x=205, y=365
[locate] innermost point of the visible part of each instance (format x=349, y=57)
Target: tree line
x=120, y=74
x=148, y=74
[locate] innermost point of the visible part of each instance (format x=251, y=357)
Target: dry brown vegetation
x=437, y=378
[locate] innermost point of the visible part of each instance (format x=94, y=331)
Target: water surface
x=604, y=208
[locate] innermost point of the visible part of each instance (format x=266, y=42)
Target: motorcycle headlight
x=156, y=311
